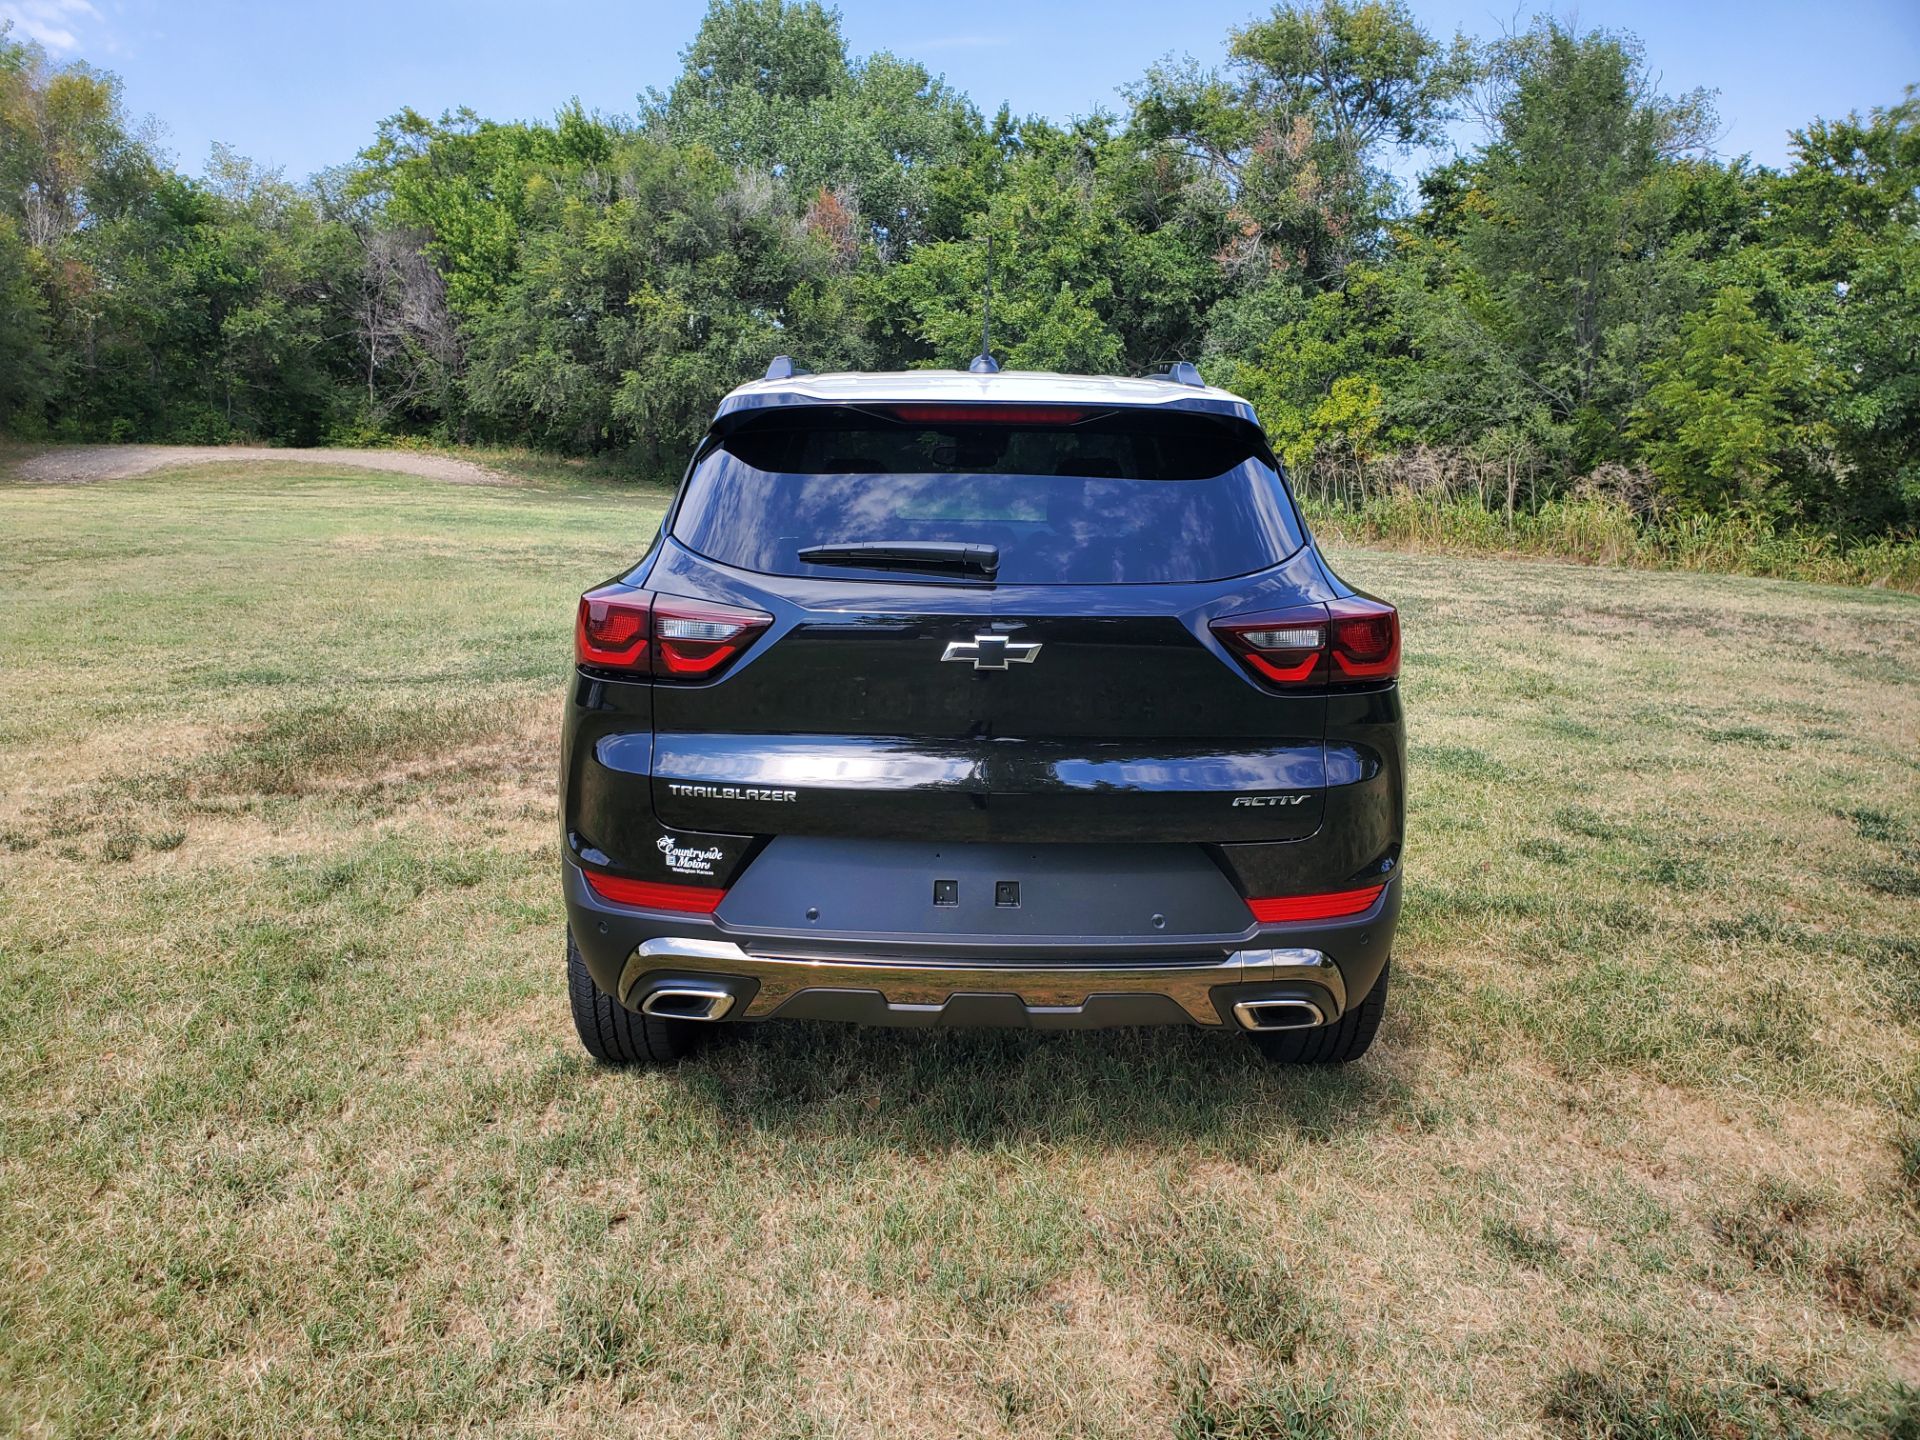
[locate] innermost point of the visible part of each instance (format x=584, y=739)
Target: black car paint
x=1149, y=749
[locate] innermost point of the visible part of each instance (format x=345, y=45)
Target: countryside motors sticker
x=685, y=859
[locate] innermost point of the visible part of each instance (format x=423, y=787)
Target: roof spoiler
x=1180, y=372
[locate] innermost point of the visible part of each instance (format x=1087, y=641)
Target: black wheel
x=615, y=1035
x=1346, y=1039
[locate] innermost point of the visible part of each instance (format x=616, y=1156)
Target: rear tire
x=615, y=1035
x=1346, y=1039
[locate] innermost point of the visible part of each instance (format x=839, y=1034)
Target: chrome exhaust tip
x=1278, y=1014
x=687, y=1002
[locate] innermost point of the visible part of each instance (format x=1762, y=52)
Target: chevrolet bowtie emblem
x=992, y=652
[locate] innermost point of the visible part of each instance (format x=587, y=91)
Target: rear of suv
x=946, y=698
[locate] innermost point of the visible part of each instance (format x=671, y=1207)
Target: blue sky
x=300, y=85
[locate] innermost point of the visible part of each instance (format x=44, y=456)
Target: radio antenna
x=983, y=363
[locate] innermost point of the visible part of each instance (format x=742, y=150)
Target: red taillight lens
x=1366, y=639
x=1314, y=907
x=1283, y=648
x=611, y=630
x=1344, y=642
x=653, y=895
x=665, y=636
x=696, y=638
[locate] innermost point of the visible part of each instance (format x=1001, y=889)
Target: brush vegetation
x=1605, y=532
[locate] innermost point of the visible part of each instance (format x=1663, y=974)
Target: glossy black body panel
x=1132, y=778
x=1102, y=893
x=1132, y=723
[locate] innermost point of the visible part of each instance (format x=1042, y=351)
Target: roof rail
x=1180, y=372
x=783, y=368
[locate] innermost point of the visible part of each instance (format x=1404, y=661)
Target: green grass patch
x=301, y=745
x=295, y=1136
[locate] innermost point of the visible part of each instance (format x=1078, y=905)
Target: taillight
x=696, y=638
x=1366, y=639
x=1344, y=642
x=666, y=636
x=610, y=632
x=653, y=895
x=1329, y=906
x=1285, y=648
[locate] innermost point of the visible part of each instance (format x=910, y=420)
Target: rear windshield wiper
x=908, y=555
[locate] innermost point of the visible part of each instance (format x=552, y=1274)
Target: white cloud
x=51, y=22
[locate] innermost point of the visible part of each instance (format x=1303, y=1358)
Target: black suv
x=948, y=698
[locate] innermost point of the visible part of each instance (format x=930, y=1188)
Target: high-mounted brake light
x=988, y=414
x=1330, y=906
x=666, y=636
x=1355, y=641
x=653, y=895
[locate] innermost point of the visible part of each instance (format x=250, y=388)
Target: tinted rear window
x=1120, y=497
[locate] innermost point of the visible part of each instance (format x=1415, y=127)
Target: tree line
x=1578, y=297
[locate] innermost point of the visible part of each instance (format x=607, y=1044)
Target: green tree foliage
x=768, y=86
x=1730, y=417
x=26, y=361
x=1561, y=260
x=1294, y=137
x=1099, y=264
x=69, y=152
x=1582, y=293
x=1315, y=364
x=645, y=291
x=1294, y=130
x=1836, y=253
x=168, y=308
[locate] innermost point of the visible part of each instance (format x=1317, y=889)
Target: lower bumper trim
x=918, y=988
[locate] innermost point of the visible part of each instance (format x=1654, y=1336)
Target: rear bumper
x=919, y=980
x=923, y=992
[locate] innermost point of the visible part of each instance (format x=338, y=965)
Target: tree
x=1554, y=258
x=1834, y=256
x=1315, y=366
x=66, y=147
x=1731, y=415
x=644, y=292
x=1294, y=131
x=1584, y=287
x=26, y=363
x=1089, y=274
x=769, y=87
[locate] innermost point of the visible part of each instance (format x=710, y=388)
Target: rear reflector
x=652, y=895
x=1314, y=907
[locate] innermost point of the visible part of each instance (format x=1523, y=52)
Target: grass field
x=295, y=1136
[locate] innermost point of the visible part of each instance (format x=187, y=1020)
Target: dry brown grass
x=295, y=1138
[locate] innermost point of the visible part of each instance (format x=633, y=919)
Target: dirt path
x=81, y=464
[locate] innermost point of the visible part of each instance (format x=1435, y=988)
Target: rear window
x=1109, y=497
